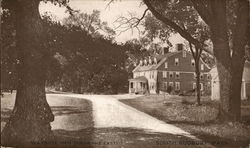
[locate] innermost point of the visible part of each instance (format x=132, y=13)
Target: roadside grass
x=200, y=121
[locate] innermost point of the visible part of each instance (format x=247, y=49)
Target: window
x=176, y=60
x=201, y=86
x=165, y=85
x=177, y=85
x=135, y=74
x=151, y=85
x=184, y=53
x=192, y=62
x=201, y=76
x=194, y=75
x=171, y=84
x=141, y=84
x=177, y=75
x=131, y=85
x=170, y=74
x=164, y=73
x=202, y=66
x=208, y=76
x=166, y=64
x=194, y=85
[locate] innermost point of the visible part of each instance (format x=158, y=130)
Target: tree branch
x=173, y=25
x=143, y=15
x=203, y=10
x=191, y=48
x=176, y=27
x=129, y=23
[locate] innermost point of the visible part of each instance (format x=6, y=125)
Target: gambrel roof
x=161, y=59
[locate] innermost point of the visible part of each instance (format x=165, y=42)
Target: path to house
x=109, y=112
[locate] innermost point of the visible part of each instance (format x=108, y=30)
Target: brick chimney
x=165, y=50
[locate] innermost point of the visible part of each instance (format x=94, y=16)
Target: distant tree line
x=80, y=58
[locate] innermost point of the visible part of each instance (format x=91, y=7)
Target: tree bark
x=196, y=55
x=198, y=87
x=230, y=66
x=240, y=39
x=222, y=54
x=31, y=116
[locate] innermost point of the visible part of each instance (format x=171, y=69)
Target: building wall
x=215, y=90
x=184, y=63
x=186, y=81
x=151, y=77
x=215, y=84
x=186, y=71
x=248, y=90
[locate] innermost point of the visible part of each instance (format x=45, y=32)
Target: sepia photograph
x=125, y=73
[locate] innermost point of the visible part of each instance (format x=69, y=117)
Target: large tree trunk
x=240, y=39
x=222, y=54
x=230, y=67
x=31, y=116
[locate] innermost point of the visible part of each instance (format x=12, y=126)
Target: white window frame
x=208, y=76
x=164, y=74
x=202, y=66
x=194, y=85
x=177, y=73
x=171, y=74
x=166, y=64
x=177, y=84
x=165, y=85
x=194, y=75
x=176, y=61
x=192, y=62
x=184, y=53
x=201, y=76
x=171, y=84
x=201, y=87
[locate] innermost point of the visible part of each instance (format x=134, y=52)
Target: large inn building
x=169, y=72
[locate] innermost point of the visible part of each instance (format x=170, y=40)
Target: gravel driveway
x=109, y=112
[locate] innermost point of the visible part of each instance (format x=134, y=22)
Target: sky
x=108, y=13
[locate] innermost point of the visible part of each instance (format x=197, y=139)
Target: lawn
x=201, y=121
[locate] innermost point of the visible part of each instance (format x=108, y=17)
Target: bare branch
x=109, y=3
x=129, y=23
x=140, y=19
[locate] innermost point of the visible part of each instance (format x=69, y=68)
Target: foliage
x=87, y=64
x=76, y=61
x=9, y=59
x=135, y=51
x=90, y=23
x=228, y=23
